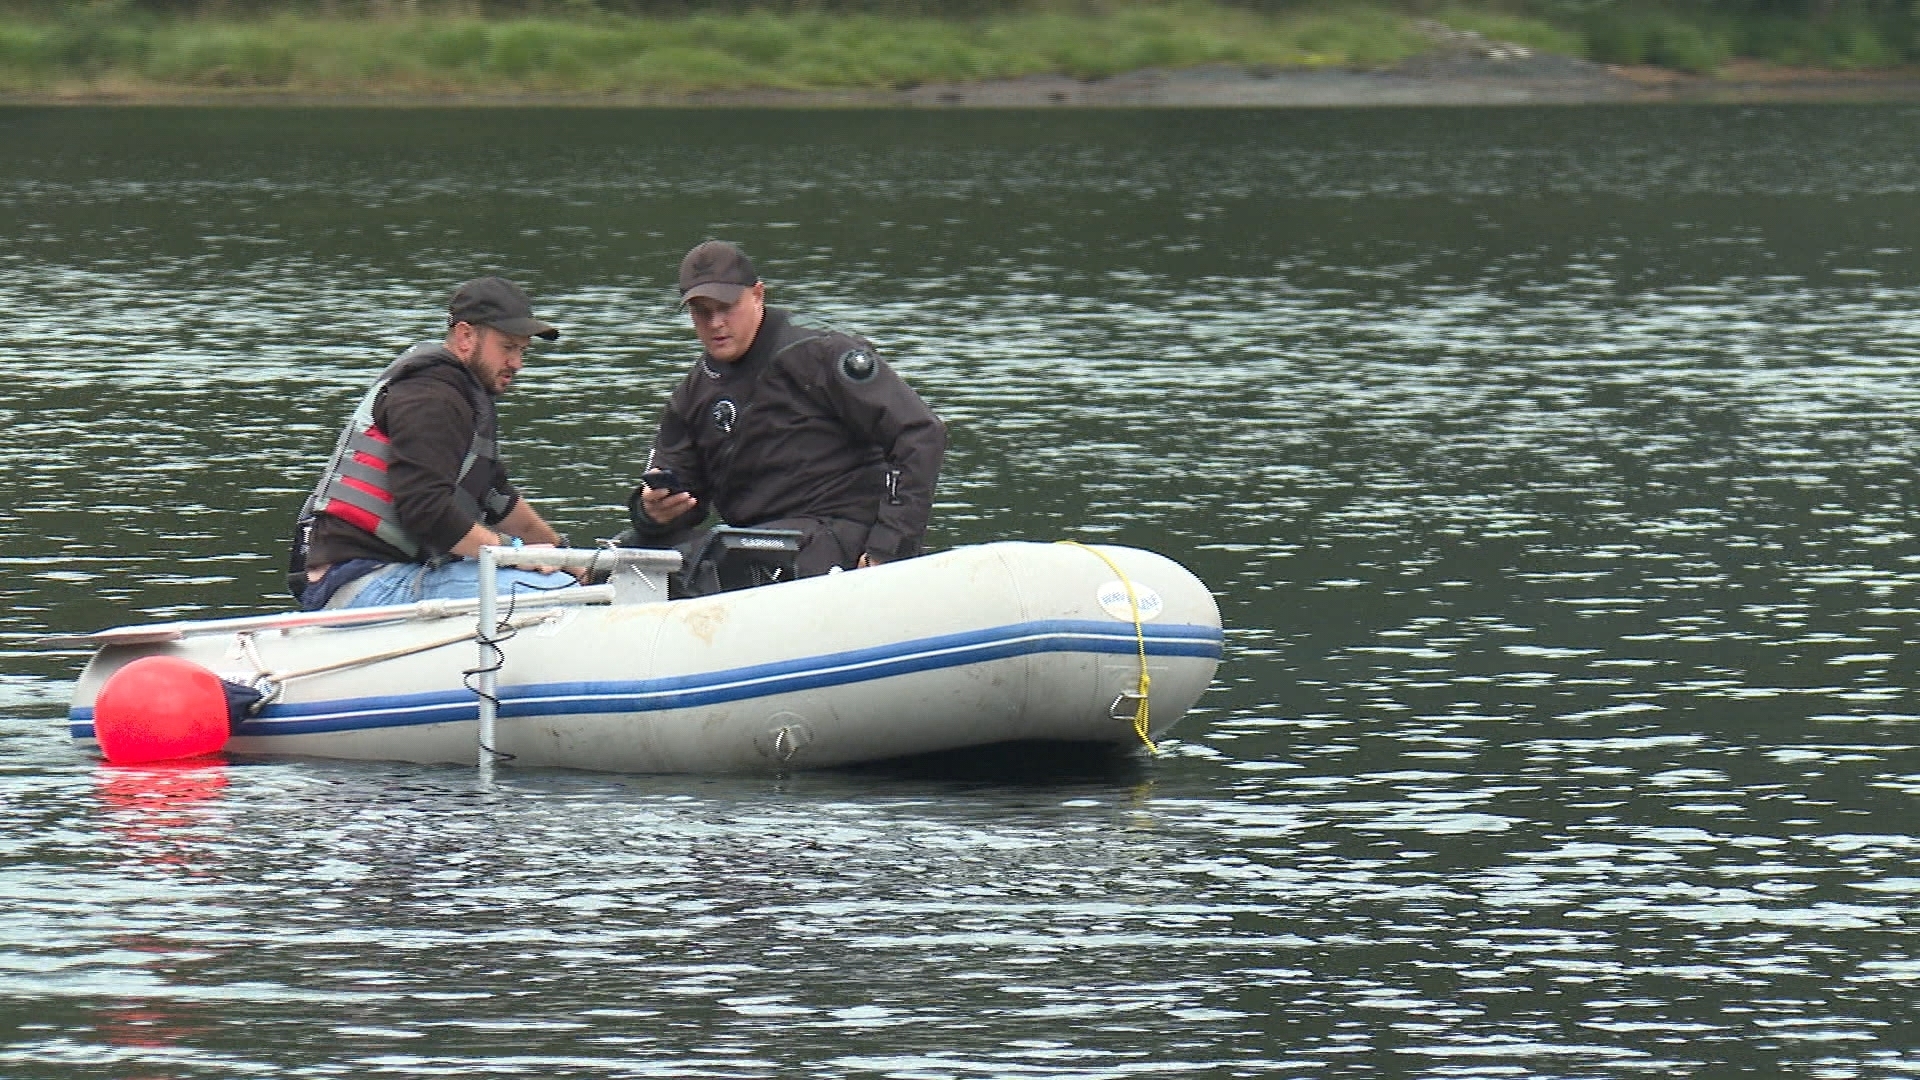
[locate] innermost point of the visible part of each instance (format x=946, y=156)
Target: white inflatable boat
x=994, y=643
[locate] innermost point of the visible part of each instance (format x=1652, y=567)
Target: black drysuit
x=809, y=430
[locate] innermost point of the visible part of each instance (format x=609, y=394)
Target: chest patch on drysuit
x=725, y=414
x=859, y=365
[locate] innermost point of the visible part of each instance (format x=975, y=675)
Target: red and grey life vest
x=355, y=487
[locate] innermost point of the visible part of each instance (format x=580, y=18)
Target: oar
x=293, y=620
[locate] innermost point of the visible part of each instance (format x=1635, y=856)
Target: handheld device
x=662, y=480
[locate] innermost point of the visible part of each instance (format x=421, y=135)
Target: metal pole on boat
x=489, y=665
x=487, y=672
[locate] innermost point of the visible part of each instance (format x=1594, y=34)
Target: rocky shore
x=1463, y=68
x=1487, y=74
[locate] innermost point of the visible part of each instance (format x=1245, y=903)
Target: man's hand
x=663, y=506
x=529, y=547
x=577, y=573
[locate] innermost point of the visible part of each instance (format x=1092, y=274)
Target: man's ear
x=463, y=339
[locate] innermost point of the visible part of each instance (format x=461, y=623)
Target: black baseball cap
x=718, y=269
x=499, y=303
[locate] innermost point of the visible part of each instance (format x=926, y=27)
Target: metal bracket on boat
x=268, y=688
x=633, y=585
x=783, y=742
x=1128, y=700
x=487, y=672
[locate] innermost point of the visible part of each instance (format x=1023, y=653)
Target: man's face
x=727, y=330
x=492, y=355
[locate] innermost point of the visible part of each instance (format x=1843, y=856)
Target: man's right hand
x=664, y=506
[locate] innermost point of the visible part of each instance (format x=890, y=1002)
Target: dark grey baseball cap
x=499, y=303
x=717, y=269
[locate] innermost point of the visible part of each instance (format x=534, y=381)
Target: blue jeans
x=404, y=583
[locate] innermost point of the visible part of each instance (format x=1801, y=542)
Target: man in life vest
x=416, y=486
x=784, y=424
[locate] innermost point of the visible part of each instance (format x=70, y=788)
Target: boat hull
x=980, y=645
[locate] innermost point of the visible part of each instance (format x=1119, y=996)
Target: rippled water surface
x=1554, y=470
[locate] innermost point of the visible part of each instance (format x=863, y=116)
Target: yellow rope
x=1140, y=724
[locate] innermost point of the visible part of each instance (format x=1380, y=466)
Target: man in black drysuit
x=785, y=425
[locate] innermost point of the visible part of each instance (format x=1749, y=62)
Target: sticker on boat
x=1113, y=600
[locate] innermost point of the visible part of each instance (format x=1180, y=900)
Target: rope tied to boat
x=269, y=683
x=276, y=678
x=1141, y=727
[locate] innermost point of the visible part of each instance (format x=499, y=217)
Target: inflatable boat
x=1004, y=642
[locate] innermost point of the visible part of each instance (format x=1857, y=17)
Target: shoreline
x=1446, y=78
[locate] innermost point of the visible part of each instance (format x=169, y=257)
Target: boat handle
x=782, y=743
x=1124, y=699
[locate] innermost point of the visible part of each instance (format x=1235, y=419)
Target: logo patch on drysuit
x=725, y=413
x=859, y=365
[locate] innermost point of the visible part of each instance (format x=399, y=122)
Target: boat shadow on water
x=1037, y=764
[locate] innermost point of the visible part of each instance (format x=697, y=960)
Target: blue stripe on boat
x=713, y=687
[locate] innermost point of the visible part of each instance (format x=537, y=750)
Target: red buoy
x=158, y=708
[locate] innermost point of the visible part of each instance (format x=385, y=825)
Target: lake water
x=1554, y=470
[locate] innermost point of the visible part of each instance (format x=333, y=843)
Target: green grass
x=1616, y=36
x=109, y=46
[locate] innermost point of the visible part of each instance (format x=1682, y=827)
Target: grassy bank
x=600, y=54
x=114, y=48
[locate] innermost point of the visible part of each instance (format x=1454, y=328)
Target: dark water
x=1553, y=468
